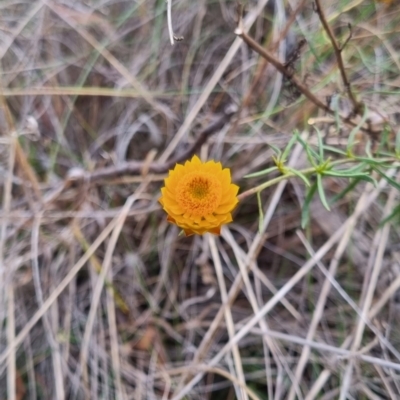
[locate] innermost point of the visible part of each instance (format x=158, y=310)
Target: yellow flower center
x=199, y=193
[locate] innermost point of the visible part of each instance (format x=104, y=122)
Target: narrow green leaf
x=353, y=133
x=334, y=150
x=384, y=137
x=394, y=213
x=343, y=173
x=364, y=177
x=389, y=180
x=300, y=175
x=372, y=161
x=305, y=212
x=261, y=173
x=321, y=192
x=277, y=150
x=356, y=168
x=289, y=146
x=311, y=154
x=384, y=154
x=260, y=213
x=320, y=145
x=346, y=190
x=398, y=143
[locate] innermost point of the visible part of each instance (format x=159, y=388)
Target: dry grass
x=99, y=296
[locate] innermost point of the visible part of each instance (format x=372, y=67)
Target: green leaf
x=321, y=192
x=260, y=213
x=320, y=144
x=398, y=144
x=289, y=146
x=334, y=150
x=384, y=137
x=346, y=190
x=305, y=212
x=368, y=149
x=357, y=168
x=300, y=175
x=343, y=173
x=364, y=177
x=372, y=161
x=275, y=149
x=384, y=154
x=389, y=180
x=261, y=173
x=394, y=213
x=353, y=133
x=311, y=154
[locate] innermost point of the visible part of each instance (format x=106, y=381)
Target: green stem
x=306, y=171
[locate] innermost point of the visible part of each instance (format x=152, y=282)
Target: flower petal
x=231, y=191
x=216, y=231
x=227, y=207
x=225, y=175
x=199, y=197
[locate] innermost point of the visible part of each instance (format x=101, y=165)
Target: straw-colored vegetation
x=102, y=298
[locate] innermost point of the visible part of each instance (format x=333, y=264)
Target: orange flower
x=199, y=197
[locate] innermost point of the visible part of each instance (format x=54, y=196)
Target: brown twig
x=288, y=72
x=137, y=167
x=357, y=106
x=285, y=71
x=261, y=68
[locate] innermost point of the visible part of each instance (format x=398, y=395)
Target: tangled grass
x=102, y=298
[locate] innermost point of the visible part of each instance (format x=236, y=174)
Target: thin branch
x=357, y=106
x=76, y=175
x=348, y=37
x=261, y=68
x=137, y=167
x=287, y=71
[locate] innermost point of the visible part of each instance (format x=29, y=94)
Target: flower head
x=199, y=197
